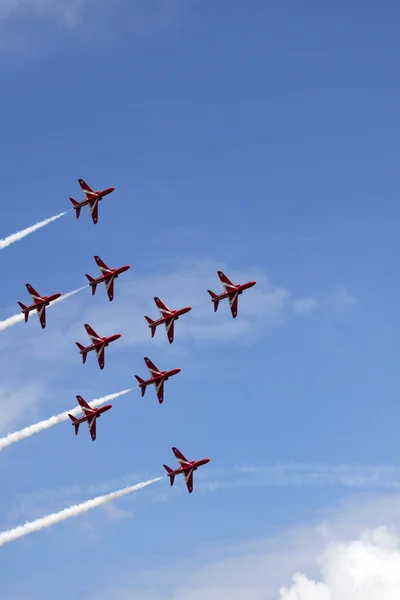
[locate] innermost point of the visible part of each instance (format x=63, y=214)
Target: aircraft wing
x=85, y=406
x=91, y=421
x=163, y=308
x=86, y=188
x=159, y=385
x=42, y=315
x=182, y=460
x=169, y=326
x=91, y=333
x=233, y=303
x=94, y=209
x=109, y=281
x=33, y=293
x=151, y=367
x=102, y=265
x=100, y=355
x=188, y=475
x=226, y=282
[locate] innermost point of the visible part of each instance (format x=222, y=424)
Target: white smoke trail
x=18, y=318
x=68, y=295
x=72, y=511
x=15, y=237
x=12, y=438
x=11, y=321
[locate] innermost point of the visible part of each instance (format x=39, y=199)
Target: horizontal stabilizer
x=92, y=284
x=151, y=325
x=82, y=349
x=169, y=471
x=26, y=315
x=76, y=207
x=74, y=422
x=140, y=380
x=213, y=299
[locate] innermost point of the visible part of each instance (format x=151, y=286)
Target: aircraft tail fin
x=76, y=207
x=169, y=471
x=82, y=348
x=151, y=325
x=216, y=302
x=140, y=380
x=92, y=284
x=26, y=315
x=74, y=422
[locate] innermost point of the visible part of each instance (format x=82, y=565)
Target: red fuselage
x=175, y=314
x=194, y=464
x=45, y=301
x=99, y=195
x=98, y=412
x=104, y=341
x=238, y=289
x=113, y=273
x=164, y=375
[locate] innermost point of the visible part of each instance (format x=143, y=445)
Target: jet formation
x=98, y=343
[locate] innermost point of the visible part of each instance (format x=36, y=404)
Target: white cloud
x=365, y=569
x=304, y=306
x=263, y=306
x=142, y=16
x=114, y=513
x=347, y=556
x=16, y=400
x=66, y=10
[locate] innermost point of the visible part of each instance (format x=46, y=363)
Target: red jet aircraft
x=92, y=199
x=186, y=467
x=99, y=343
x=157, y=377
x=39, y=304
x=232, y=292
x=168, y=317
x=90, y=415
x=107, y=275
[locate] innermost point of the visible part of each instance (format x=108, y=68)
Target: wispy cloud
x=67, y=10
x=338, y=299
x=73, y=511
x=305, y=306
x=18, y=19
x=215, y=479
x=264, y=306
x=16, y=400
x=341, y=563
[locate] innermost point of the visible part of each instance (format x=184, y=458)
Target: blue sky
x=260, y=139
